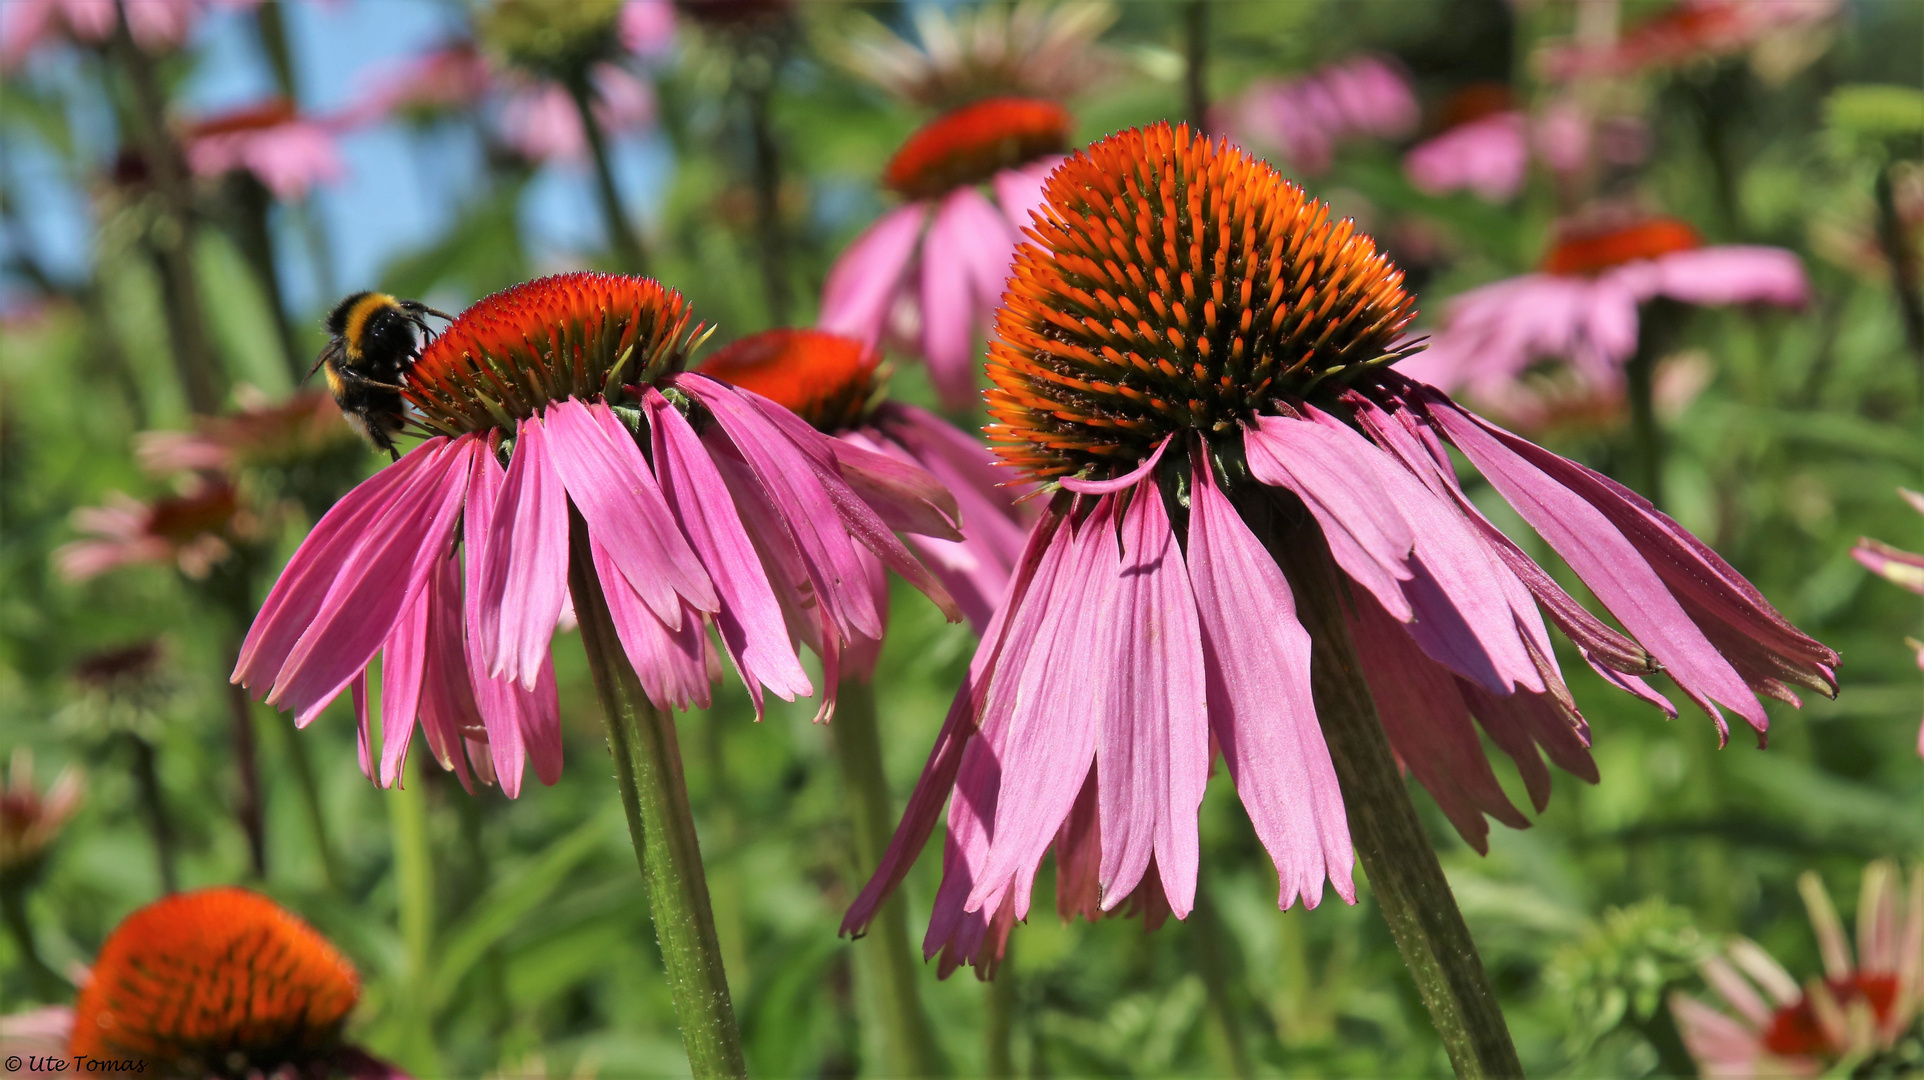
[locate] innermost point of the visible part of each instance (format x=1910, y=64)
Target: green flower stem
x=999, y=1032
x=247, y=763
x=1658, y=324
x=756, y=75
x=1196, y=64
x=47, y=983
x=309, y=789
x=1905, y=272
x=1404, y=875
x=414, y=886
x=154, y=805
x=886, y=959
x=655, y=796
x=621, y=235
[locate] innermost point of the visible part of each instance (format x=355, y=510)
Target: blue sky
x=401, y=189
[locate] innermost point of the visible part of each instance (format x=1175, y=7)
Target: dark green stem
x=1905, y=270
x=885, y=958
x=154, y=806
x=47, y=983
x=249, y=203
x=759, y=88
x=1657, y=327
x=247, y=806
x=1212, y=963
x=621, y=236
x=171, y=238
x=414, y=889
x=655, y=796
x=1195, y=74
x=1404, y=875
x=999, y=1032
x=310, y=792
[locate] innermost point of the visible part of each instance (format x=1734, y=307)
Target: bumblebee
x=372, y=348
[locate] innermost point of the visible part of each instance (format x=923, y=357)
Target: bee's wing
x=329, y=355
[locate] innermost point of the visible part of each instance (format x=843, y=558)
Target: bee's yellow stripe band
x=358, y=316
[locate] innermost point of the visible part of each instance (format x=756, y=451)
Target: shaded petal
x=1722, y=1047
x=363, y=752
x=1035, y=573
x=448, y=711
x=1894, y=565
x=1119, y=483
x=1368, y=537
x=608, y=481
x=1153, y=756
x=670, y=662
x=506, y=751
x=1429, y=726
x=905, y=495
x=1044, y=711
x=524, y=580
x=1732, y=274
x=1256, y=656
x=862, y=284
x=750, y=621
x=1078, y=849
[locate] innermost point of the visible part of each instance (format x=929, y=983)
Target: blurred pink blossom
x=647, y=27
x=1583, y=307
x=1686, y=32
x=452, y=76
x=156, y=25
x=287, y=152
x=539, y=120
x=191, y=531
x=1303, y=119
x=1490, y=157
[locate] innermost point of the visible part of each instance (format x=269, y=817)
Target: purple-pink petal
x=1119, y=483
x=1152, y=760
x=1256, y=656
x=671, y=662
x=965, y=261
x=403, y=663
x=524, y=580
x=864, y=281
x=449, y=714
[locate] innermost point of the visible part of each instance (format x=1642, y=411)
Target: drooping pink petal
x=363, y=752
x=1119, y=483
x=296, y=596
x=608, y=481
x=403, y=663
x=1894, y=565
x=671, y=662
x=1732, y=274
x=965, y=260
x=1367, y=536
x=539, y=711
x=1610, y=565
x=1736, y=990
x=1043, y=712
x=1723, y=1048
x=1019, y=193
x=958, y=728
x=1152, y=760
x=500, y=717
x=1078, y=849
x=448, y=711
x=525, y=578
x=793, y=485
x=750, y=621
x=1520, y=722
x=1256, y=656
x=1429, y=725
x=381, y=574
x=903, y=496
x=864, y=281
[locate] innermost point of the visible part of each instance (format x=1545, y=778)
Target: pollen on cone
x=196, y=978
x=970, y=144
x=826, y=379
x=1177, y=283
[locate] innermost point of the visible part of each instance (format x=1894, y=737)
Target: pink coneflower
x=931, y=272
x=1581, y=308
x=156, y=25
x=1687, y=32
x=563, y=378
x=30, y=818
x=1857, y=1011
x=539, y=121
x=287, y=152
x=192, y=531
x=1488, y=156
x=1901, y=568
x=1031, y=48
x=833, y=383
x=1303, y=119
x=1191, y=357
x=262, y=432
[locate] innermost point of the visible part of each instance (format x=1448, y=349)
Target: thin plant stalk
x=885, y=959
x=1195, y=74
x=414, y=889
x=654, y=795
x=250, y=204
x=999, y=1032
x=1656, y=329
x=47, y=983
x=172, y=239
x=1905, y=271
x=758, y=86
x=247, y=805
x=154, y=806
x=309, y=789
x=1403, y=872
x=621, y=235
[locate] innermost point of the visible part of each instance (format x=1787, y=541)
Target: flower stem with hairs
x=887, y=959
x=621, y=234
x=655, y=796
x=154, y=806
x=1403, y=871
